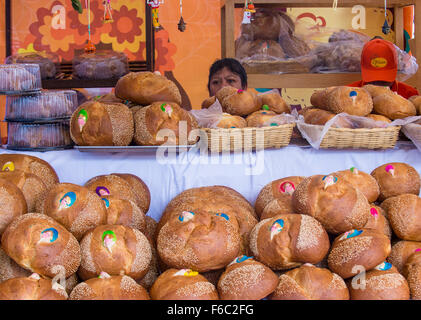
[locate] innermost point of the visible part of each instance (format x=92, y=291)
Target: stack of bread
x=145, y=110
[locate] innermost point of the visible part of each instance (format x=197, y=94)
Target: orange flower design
x=164, y=50
x=126, y=25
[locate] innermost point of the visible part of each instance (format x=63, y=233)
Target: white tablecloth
x=168, y=178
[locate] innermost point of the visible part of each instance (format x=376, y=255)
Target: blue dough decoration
x=223, y=215
x=242, y=258
x=353, y=93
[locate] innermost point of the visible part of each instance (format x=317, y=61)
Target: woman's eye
x=231, y=81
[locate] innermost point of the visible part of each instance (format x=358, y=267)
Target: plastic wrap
x=47, y=62
x=24, y=136
x=46, y=105
x=413, y=132
x=19, y=78
x=210, y=117
x=279, y=120
x=100, y=65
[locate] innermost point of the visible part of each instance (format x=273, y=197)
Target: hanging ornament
x=386, y=27
x=335, y=4
x=181, y=23
x=89, y=47
x=108, y=16
x=155, y=12
x=248, y=11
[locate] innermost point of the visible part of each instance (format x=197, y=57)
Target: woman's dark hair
x=233, y=65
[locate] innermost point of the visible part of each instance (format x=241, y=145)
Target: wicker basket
x=376, y=138
x=239, y=139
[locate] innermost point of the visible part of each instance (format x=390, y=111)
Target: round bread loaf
x=401, y=251
x=95, y=123
x=404, y=214
x=75, y=207
x=393, y=106
x=147, y=87
x=40, y=244
x=175, y=123
x=378, y=117
x=124, y=212
x=309, y=282
x=33, y=287
x=377, y=221
x=316, y=116
x=208, y=102
x=332, y=201
x=150, y=229
x=107, y=287
x=319, y=97
x=10, y=269
x=29, y=164
x=280, y=189
x=288, y=240
x=416, y=100
x=140, y=189
x=246, y=279
x=384, y=282
x=258, y=118
x=115, y=249
x=182, y=284
x=396, y=178
x=273, y=102
x=199, y=240
x=361, y=181
x=153, y=272
x=32, y=187
x=354, y=101
x=214, y=199
x=377, y=90
x=237, y=102
x=12, y=203
x=228, y=121
x=358, y=248
x=412, y=272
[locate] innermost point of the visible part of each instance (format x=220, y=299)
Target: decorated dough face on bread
x=147, y=87
x=393, y=106
x=199, y=240
x=396, y=178
x=354, y=101
x=237, y=102
x=12, y=203
x=115, y=249
x=309, y=282
x=281, y=189
x=246, y=279
x=332, y=201
x=384, y=282
x=361, y=181
x=404, y=214
x=102, y=124
x=107, y=287
x=45, y=246
x=75, y=207
x=288, y=240
x=229, y=121
x=358, y=248
x=183, y=284
x=175, y=123
x=33, y=287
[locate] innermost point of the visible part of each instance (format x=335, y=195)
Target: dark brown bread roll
x=354, y=101
x=199, y=240
x=404, y=214
x=95, y=123
x=281, y=189
x=246, y=279
x=309, y=282
x=384, y=282
x=332, y=201
x=182, y=284
x=396, y=178
x=237, y=102
x=361, y=181
x=393, y=106
x=401, y=251
x=356, y=248
x=115, y=249
x=12, y=203
x=147, y=87
x=75, y=207
x=107, y=287
x=163, y=115
x=412, y=272
x=33, y=287
x=288, y=240
x=40, y=244
x=29, y=164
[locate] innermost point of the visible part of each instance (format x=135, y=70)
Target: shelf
x=319, y=3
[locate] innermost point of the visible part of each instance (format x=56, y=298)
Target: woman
x=226, y=72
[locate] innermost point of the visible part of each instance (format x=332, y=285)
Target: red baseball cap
x=379, y=61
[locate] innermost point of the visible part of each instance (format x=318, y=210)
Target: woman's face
x=224, y=78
